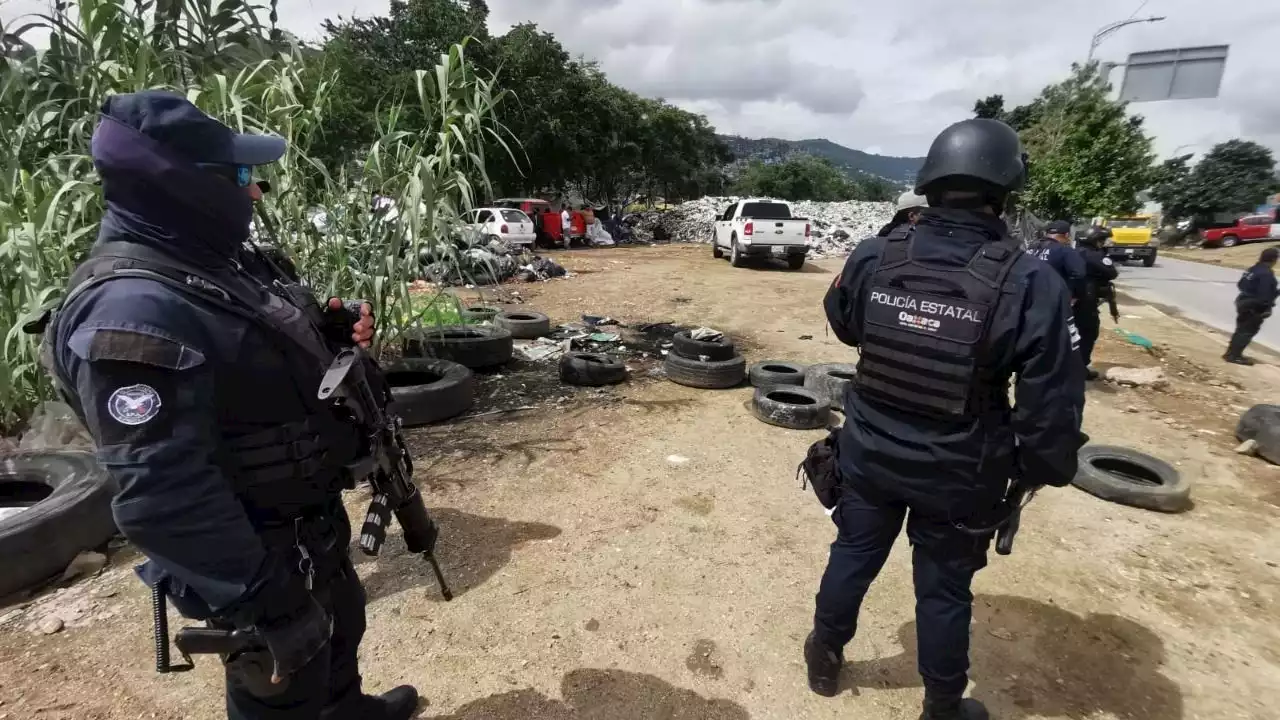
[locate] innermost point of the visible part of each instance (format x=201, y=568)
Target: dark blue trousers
x=944, y=561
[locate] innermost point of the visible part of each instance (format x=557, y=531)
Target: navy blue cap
x=171, y=120
x=1058, y=227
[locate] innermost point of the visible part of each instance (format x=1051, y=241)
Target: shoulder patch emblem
x=134, y=405
x=1107, y=261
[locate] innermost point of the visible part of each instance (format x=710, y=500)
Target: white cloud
x=883, y=77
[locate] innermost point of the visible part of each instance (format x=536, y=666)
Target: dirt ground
x=647, y=552
x=1241, y=256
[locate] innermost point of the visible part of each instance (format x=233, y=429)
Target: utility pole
x=1107, y=31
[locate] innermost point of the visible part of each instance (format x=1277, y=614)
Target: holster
x=820, y=470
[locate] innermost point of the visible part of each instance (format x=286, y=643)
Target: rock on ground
x=1150, y=377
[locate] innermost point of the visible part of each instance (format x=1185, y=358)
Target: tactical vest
x=278, y=470
x=925, y=329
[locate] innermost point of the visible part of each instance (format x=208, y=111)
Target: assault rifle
x=387, y=465
x=1108, y=293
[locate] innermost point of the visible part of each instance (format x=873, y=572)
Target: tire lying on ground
x=1255, y=419
x=426, y=390
x=591, y=369
x=831, y=380
x=775, y=372
x=524, y=325
x=1128, y=477
x=479, y=314
x=791, y=407
x=711, y=375
x=713, y=350
x=67, y=501
x=469, y=345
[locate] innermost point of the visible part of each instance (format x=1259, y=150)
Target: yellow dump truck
x=1132, y=238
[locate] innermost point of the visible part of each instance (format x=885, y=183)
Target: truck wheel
x=591, y=369
x=424, y=391
x=1128, y=477
x=773, y=372
x=525, y=324
x=56, y=504
x=736, y=258
x=790, y=407
x=685, y=346
x=475, y=346
x=1230, y=241
x=1149, y=261
x=795, y=262
x=716, y=252
x=713, y=375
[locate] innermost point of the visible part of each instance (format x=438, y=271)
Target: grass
x=1241, y=257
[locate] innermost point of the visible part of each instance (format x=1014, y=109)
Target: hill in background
x=853, y=162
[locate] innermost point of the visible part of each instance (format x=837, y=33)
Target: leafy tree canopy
x=1234, y=177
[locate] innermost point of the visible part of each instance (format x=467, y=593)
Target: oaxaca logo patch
x=134, y=405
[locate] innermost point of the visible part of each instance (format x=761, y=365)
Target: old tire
x=716, y=252
x=479, y=314
x=591, y=369
x=1255, y=419
x=736, y=258
x=1128, y=477
x=832, y=381
x=68, y=509
x=425, y=390
x=712, y=350
x=774, y=372
x=469, y=345
x=524, y=325
x=795, y=262
x=711, y=375
x=791, y=407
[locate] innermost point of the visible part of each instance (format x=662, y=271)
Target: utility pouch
x=819, y=470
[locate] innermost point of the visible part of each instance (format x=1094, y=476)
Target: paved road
x=1204, y=293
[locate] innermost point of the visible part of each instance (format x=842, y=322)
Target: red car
x=1247, y=229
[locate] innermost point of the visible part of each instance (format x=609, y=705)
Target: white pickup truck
x=761, y=228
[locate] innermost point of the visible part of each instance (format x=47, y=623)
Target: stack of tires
x=705, y=364
x=433, y=381
x=783, y=398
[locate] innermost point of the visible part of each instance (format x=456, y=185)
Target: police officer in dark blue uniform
x=198, y=379
x=1099, y=273
x=1254, y=304
x=1055, y=249
x=943, y=315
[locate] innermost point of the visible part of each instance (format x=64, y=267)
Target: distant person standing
x=1254, y=304
x=1055, y=249
x=1099, y=273
x=907, y=212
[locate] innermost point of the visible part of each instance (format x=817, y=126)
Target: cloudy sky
x=885, y=76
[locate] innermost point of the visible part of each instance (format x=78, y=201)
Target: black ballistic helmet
x=1096, y=236
x=977, y=149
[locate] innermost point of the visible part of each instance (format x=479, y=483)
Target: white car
x=507, y=225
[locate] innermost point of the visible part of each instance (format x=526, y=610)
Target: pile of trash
x=837, y=226
x=489, y=265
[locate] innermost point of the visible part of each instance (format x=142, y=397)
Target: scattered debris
x=706, y=334
x=1000, y=634
x=1248, y=447
x=54, y=426
x=1150, y=377
x=1138, y=340
x=677, y=459
x=836, y=227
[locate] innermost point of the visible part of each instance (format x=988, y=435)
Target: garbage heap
x=494, y=263
x=837, y=226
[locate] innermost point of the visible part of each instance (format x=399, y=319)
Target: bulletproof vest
x=282, y=467
x=924, y=336
x=1042, y=248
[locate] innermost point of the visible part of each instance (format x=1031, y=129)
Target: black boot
x=952, y=708
x=1090, y=374
x=398, y=704
x=1238, y=360
x=824, y=667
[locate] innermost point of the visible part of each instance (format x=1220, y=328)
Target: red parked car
x=1247, y=229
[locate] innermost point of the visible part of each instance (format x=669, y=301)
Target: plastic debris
x=705, y=334
x=54, y=426
x=1135, y=339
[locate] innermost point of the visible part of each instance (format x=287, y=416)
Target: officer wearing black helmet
x=1055, y=249
x=198, y=378
x=1099, y=273
x=944, y=313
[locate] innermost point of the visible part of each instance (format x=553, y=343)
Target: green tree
x=1019, y=118
x=803, y=177
x=1089, y=157
x=1233, y=177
